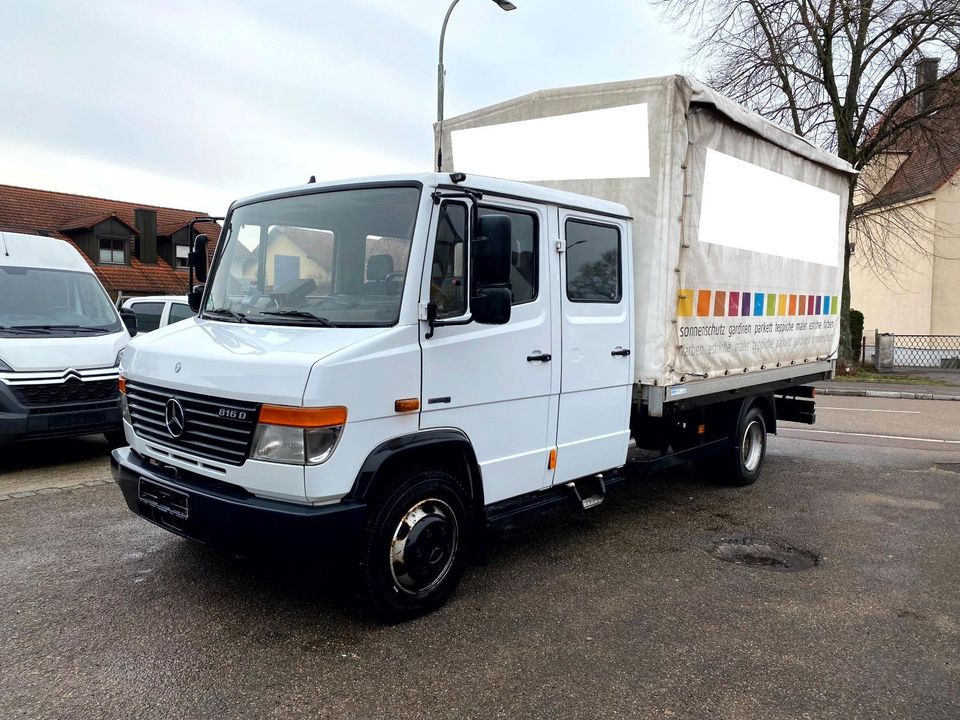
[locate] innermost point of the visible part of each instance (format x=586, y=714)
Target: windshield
x=37, y=301
x=335, y=258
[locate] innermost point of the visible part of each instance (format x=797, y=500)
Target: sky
x=192, y=105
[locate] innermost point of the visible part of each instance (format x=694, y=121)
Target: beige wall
x=946, y=263
x=893, y=287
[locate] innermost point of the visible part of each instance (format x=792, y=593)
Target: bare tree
x=848, y=75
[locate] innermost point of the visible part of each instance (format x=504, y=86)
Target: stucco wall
x=945, y=313
x=897, y=298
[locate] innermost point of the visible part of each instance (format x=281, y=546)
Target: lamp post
x=504, y=5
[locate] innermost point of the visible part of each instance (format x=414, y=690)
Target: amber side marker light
x=123, y=384
x=302, y=417
x=552, y=462
x=701, y=429
x=406, y=405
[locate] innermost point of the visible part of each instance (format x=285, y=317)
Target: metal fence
x=930, y=352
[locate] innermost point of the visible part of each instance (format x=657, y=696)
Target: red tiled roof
x=36, y=212
x=932, y=148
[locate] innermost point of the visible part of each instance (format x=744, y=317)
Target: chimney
x=927, y=74
x=146, y=245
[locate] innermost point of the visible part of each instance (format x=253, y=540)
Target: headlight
x=4, y=367
x=297, y=436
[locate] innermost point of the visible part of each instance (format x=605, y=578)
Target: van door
x=596, y=345
x=493, y=382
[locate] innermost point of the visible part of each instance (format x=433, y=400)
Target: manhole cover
x=764, y=553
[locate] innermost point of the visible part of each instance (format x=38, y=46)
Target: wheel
x=415, y=548
x=745, y=458
x=115, y=438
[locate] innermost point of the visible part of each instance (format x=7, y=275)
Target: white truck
x=380, y=367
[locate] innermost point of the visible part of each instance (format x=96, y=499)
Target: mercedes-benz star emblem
x=173, y=415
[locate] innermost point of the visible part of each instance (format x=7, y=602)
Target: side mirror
x=491, y=251
x=129, y=318
x=194, y=298
x=197, y=258
x=491, y=305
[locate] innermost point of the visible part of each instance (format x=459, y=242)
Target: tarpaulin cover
x=738, y=225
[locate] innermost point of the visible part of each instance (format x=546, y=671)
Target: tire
x=744, y=459
x=416, y=545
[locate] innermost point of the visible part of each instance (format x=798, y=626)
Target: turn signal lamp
x=297, y=436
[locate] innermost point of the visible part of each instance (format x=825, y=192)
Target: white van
x=60, y=343
x=157, y=311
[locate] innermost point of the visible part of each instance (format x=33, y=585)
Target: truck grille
x=71, y=391
x=208, y=429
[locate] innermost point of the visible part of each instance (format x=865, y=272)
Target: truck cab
x=376, y=363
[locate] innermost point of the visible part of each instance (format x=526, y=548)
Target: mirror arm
x=446, y=323
x=439, y=196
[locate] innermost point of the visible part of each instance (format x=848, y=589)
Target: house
x=134, y=249
x=905, y=270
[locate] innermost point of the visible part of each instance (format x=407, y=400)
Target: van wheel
x=745, y=457
x=415, y=548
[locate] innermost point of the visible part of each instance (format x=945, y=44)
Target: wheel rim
x=423, y=547
x=751, y=448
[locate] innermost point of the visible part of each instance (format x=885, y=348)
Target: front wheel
x=415, y=548
x=745, y=458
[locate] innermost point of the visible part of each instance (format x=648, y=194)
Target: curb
x=885, y=394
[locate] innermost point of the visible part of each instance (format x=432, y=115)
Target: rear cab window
x=593, y=257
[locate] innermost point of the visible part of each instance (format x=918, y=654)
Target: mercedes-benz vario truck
x=380, y=367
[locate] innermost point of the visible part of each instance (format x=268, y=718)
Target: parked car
x=60, y=343
x=157, y=311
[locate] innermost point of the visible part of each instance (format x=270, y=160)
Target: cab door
x=493, y=382
x=596, y=330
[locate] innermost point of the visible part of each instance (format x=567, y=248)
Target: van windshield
x=43, y=302
x=336, y=258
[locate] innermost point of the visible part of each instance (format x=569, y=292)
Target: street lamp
x=504, y=5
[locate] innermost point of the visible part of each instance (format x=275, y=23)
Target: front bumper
x=21, y=422
x=218, y=513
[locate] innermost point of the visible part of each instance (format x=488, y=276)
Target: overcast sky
x=193, y=104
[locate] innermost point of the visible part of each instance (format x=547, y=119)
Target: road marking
x=905, y=412
x=871, y=435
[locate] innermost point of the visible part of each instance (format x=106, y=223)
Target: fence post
x=884, y=351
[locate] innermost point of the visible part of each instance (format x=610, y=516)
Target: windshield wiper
x=227, y=312
x=26, y=329
x=316, y=319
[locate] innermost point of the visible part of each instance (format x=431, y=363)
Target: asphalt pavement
x=844, y=603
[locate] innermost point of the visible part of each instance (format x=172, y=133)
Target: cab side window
x=593, y=262
x=448, y=282
x=524, y=232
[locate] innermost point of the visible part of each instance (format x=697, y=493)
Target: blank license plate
x=164, y=499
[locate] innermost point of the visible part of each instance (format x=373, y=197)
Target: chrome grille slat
x=206, y=433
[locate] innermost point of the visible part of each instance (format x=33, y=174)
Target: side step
x=589, y=492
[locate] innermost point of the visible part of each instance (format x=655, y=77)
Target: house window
x=182, y=253
x=113, y=250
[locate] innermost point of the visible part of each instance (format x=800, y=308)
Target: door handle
x=622, y=352
x=538, y=358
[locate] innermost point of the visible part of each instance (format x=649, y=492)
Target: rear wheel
x=744, y=460
x=415, y=548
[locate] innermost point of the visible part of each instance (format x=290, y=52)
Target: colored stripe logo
x=741, y=303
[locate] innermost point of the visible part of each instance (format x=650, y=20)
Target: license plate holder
x=164, y=499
